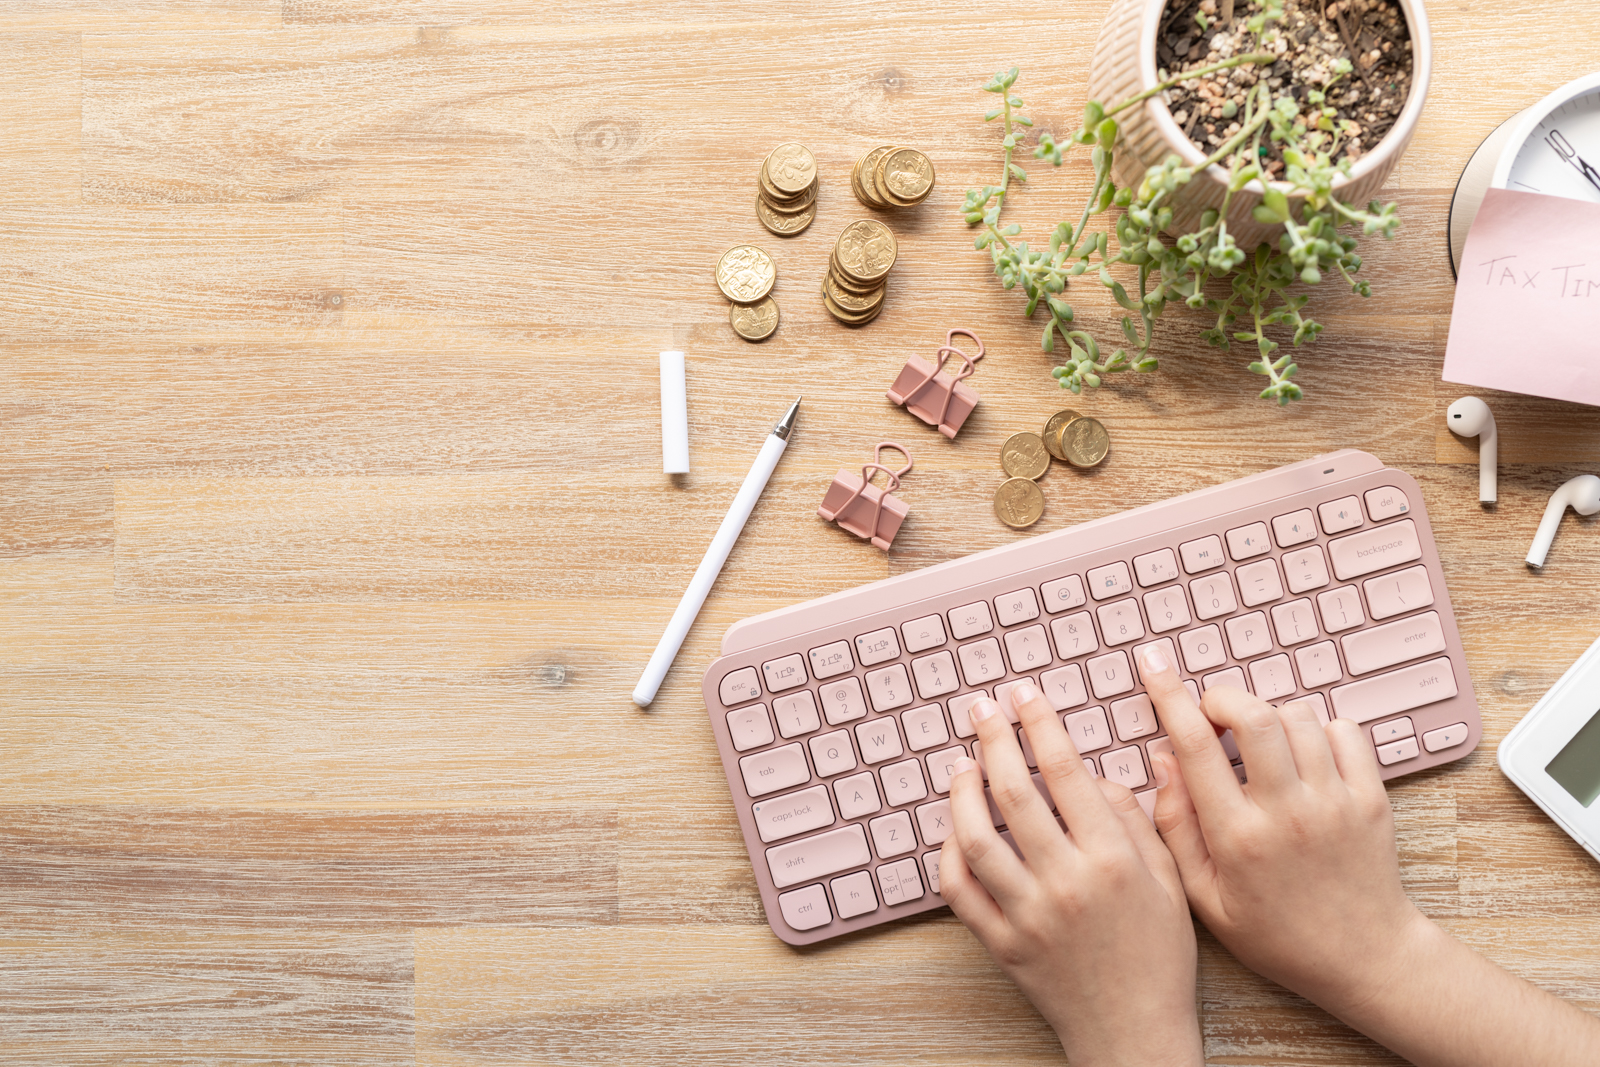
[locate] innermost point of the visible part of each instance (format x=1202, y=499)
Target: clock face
x=1562, y=155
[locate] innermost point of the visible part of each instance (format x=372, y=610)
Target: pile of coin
x=890, y=176
x=787, y=198
x=746, y=274
x=858, y=272
x=1025, y=457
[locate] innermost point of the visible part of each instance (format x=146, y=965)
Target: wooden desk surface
x=333, y=536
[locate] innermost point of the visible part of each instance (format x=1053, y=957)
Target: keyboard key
x=1213, y=595
x=1002, y=696
x=1230, y=747
x=1271, y=677
x=930, y=864
x=879, y=740
x=1110, y=675
x=1159, y=745
x=831, y=660
x=1074, y=635
x=1238, y=772
x=971, y=620
x=1014, y=608
x=1201, y=554
x=1445, y=737
x=857, y=795
x=935, y=822
x=1395, y=642
x=1248, y=636
x=1164, y=644
x=889, y=687
x=878, y=646
x=1028, y=649
x=832, y=753
x=739, y=686
x=1293, y=529
x=1038, y=783
x=1135, y=717
x=1305, y=569
x=1109, y=581
x=924, y=727
x=941, y=765
x=1233, y=676
x=1193, y=689
x=1319, y=665
x=891, y=834
x=1120, y=622
x=1259, y=583
x=1340, y=515
x=750, y=727
x=900, y=882
x=1294, y=622
x=981, y=662
x=1393, y=730
x=1063, y=687
x=1389, y=694
x=1374, y=549
x=1248, y=542
x=793, y=813
x=784, y=673
x=1091, y=766
x=796, y=713
x=1392, y=594
x=1397, y=751
x=960, y=707
x=1341, y=609
x=1125, y=766
x=805, y=909
x=1318, y=704
x=1088, y=729
x=1202, y=649
x=903, y=782
x=936, y=675
x=924, y=633
x=1386, y=502
x=775, y=769
x=1168, y=609
x=842, y=701
x=819, y=856
x=1147, y=801
x=853, y=895
x=1063, y=593
x=1156, y=567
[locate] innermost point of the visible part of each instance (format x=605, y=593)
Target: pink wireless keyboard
x=839, y=719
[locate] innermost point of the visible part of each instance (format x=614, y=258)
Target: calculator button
x=892, y=836
x=796, y=713
x=750, y=727
x=935, y=822
x=1259, y=583
x=1402, y=591
x=1088, y=729
x=903, y=782
x=1294, y=529
x=1074, y=635
x=1340, y=515
x=805, y=909
x=971, y=620
x=830, y=660
x=857, y=795
x=832, y=753
x=1153, y=568
x=1393, y=730
x=1366, y=651
x=1305, y=569
x=785, y=673
x=1386, y=502
x=1109, y=581
x=889, y=687
x=879, y=740
x=1374, y=549
x=1135, y=717
x=1213, y=595
x=936, y=675
x=924, y=727
x=1125, y=766
x=1341, y=609
x=793, y=813
x=1111, y=675
x=1013, y=608
x=1028, y=649
x=1319, y=665
x=775, y=769
x=842, y=701
x=1271, y=678
x=1294, y=623
x=1167, y=608
x=1063, y=687
x=1202, y=649
x=1445, y=737
x=877, y=646
x=817, y=857
x=1063, y=593
x=980, y=661
x=1401, y=690
x=1201, y=554
x=739, y=686
x=924, y=633
x=900, y=882
x=852, y=894
x=1248, y=542
x=1247, y=635
x=1120, y=622
x=1397, y=751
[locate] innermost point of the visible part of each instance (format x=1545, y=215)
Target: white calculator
x=1553, y=754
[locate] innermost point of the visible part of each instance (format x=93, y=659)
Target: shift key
x=1397, y=691
x=817, y=857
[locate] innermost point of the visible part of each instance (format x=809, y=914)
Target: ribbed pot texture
x=1124, y=65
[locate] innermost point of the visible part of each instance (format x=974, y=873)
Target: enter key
x=1395, y=642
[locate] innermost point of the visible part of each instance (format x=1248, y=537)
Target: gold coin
x=791, y=168
x=1085, y=442
x=849, y=318
x=1024, y=456
x=1052, y=431
x=854, y=303
x=866, y=250
x=745, y=274
x=1018, y=502
x=850, y=285
x=905, y=177
x=866, y=167
x=795, y=205
x=781, y=224
x=754, y=322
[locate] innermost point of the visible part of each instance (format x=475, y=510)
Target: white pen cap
x=674, y=415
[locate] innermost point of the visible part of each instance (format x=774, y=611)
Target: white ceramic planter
x=1124, y=65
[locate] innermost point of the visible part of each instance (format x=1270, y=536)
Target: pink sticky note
x=1527, y=309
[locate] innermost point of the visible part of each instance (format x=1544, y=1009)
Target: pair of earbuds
x=1471, y=417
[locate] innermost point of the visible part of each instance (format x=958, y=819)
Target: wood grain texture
x=332, y=536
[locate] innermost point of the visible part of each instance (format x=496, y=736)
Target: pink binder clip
x=934, y=395
x=856, y=504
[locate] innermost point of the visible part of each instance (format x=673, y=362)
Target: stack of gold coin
x=892, y=177
x=746, y=274
x=858, y=272
x=787, y=198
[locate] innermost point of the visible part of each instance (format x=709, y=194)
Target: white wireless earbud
x=1471, y=417
x=1581, y=494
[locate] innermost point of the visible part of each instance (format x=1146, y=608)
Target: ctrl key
x=806, y=909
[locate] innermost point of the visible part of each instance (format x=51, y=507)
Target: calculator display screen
x=1577, y=767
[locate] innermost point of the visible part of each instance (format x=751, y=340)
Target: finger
x=1313, y=758
x=987, y=856
x=1077, y=798
x=1179, y=826
x=1354, y=757
x=965, y=894
x=1216, y=791
x=1138, y=827
x=1258, y=731
x=1026, y=814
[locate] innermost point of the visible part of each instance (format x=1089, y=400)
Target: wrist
x=1379, y=980
x=1167, y=1042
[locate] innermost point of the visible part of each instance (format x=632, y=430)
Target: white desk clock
x=1553, y=754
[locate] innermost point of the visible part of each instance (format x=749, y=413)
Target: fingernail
x=1023, y=691
x=962, y=765
x=982, y=709
x=1155, y=660
x=1160, y=766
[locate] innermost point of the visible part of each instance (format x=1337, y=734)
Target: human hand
x=1295, y=873
x=1092, y=927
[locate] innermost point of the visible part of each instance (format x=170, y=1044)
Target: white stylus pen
x=700, y=585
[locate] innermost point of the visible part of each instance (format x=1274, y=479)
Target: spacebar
x=1402, y=690
x=813, y=857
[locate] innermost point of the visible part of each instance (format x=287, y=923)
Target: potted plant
x=1256, y=189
